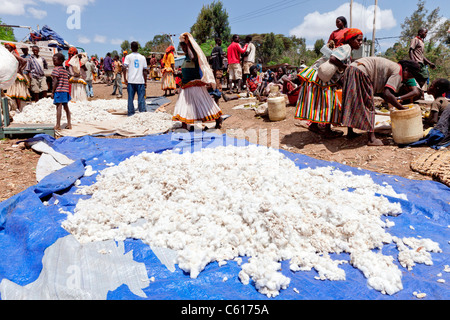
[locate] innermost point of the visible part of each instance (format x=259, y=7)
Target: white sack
x=8, y=68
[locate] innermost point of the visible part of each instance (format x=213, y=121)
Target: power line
x=254, y=15
x=258, y=11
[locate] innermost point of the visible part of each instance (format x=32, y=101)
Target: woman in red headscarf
x=168, y=67
x=317, y=101
x=19, y=90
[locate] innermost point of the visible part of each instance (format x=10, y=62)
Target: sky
x=100, y=26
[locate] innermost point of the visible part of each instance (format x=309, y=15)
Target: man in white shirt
x=135, y=76
x=249, y=58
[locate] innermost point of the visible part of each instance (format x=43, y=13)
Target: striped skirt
x=358, y=110
x=317, y=100
x=19, y=89
x=168, y=81
x=194, y=104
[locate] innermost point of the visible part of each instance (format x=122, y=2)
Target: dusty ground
x=17, y=166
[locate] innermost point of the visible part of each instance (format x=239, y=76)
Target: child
x=438, y=89
x=60, y=91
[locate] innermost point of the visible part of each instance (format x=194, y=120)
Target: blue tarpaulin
x=28, y=228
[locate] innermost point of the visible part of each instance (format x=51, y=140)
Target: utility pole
x=374, y=28
x=351, y=14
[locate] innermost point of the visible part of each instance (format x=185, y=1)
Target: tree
x=318, y=45
x=272, y=48
x=436, y=45
x=421, y=19
x=6, y=33
x=125, y=46
x=212, y=22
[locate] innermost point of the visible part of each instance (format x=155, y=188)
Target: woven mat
x=436, y=165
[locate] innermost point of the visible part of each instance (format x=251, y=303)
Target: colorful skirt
x=317, y=100
x=358, y=110
x=168, y=81
x=194, y=104
x=19, y=89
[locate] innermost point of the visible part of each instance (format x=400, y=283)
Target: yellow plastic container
x=407, y=125
x=276, y=108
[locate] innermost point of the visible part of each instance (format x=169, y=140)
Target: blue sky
x=103, y=24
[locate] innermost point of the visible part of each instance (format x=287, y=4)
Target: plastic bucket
x=407, y=125
x=276, y=108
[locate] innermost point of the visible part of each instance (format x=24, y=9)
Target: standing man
x=217, y=63
x=135, y=74
x=234, y=53
x=417, y=54
x=117, y=76
x=35, y=70
x=108, y=68
x=249, y=58
x=90, y=72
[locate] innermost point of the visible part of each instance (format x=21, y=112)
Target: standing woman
x=77, y=81
x=337, y=36
x=194, y=103
x=168, y=80
x=19, y=90
x=364, y=78
x=317, y=100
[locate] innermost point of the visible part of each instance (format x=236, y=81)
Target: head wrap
x=13, y=46
x=170, y=49
x=351, y=33
x=73, y=51
x=125, y=52
x=344, y=21
x=208, y=76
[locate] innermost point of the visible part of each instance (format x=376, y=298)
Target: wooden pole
x=374, y=28
x=351, y=14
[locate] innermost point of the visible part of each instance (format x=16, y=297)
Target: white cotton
x=87, y=173
x=382, y=274
x=95, y=111
x=414, y=251
x=225, y=203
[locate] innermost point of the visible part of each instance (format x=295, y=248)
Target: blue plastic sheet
x=27, y=228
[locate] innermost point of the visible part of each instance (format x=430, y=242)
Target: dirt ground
x=18, y=166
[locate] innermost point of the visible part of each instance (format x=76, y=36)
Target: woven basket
x=435, y=165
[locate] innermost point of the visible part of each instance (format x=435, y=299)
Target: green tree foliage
x=7, y=33
x=212, y=22
x=436, y=44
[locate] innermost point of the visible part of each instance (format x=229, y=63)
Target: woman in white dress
x=194, y=103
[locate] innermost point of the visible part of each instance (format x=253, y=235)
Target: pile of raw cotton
x=96, y=111
x=224, y=203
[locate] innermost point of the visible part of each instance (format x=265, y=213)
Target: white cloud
x=20, y=7
x=99, y=39
x=318, y=25
x=66, y=3
x=14, y=7
x=116, y=41
x=84, y=40
x=36, y=13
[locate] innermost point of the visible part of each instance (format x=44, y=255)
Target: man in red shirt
x=234, y=62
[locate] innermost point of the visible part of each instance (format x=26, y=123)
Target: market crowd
x=335, y=91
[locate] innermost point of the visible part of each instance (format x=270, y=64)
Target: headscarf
x=170, y=49
x=344, y=21
x=73, y=51
x=13, y=46
x=208, y=76
x=351, y=33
